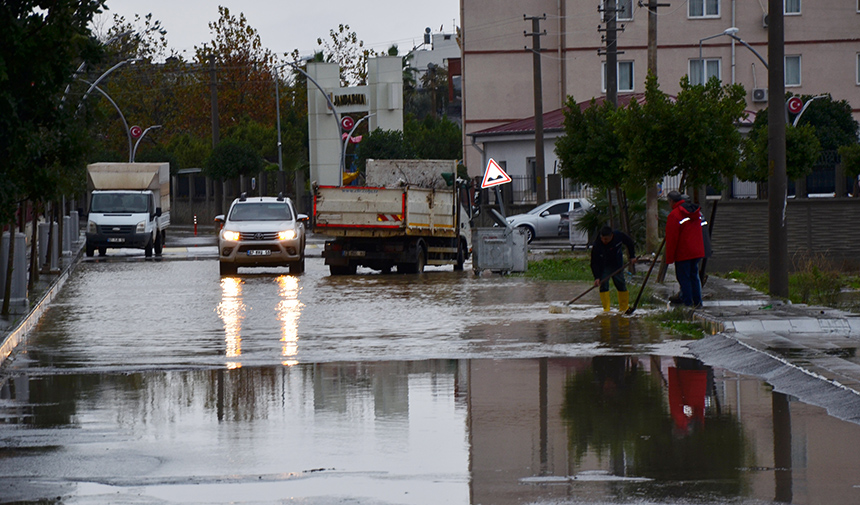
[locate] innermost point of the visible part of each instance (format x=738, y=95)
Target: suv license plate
x=259, y=252
x=116, y=239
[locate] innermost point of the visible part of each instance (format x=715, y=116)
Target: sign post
x=494, y=177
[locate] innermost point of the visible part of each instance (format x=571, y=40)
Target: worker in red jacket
x=685, y=246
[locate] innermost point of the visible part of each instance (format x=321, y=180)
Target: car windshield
x=107, y=203
x=261, y=211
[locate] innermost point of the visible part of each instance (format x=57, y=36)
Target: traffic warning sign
x=494, y=175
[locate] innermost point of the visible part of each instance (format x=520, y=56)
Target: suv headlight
x=287, y=235
x=141, y=227
x=232, y=236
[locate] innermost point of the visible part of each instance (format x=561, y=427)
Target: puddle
x=601, y=429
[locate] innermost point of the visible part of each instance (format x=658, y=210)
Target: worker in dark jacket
x=685, y=246
x=607, y=259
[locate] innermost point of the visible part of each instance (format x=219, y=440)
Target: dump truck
x=410, y=213
x=128, y=206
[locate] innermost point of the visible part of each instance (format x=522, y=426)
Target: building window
x=702, y=70
x=858, y=69
x=792, y=70
x=625, y=76
x=791, y=6
x=703, y=8
x=625, y=9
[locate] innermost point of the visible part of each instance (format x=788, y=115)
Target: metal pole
x=777, y=180
x=281, y=181
x=121, y=116
x=346, y=140
x=101, y=77
x=327, y=99
x=134, y=152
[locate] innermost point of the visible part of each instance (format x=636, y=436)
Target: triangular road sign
x=494, y=175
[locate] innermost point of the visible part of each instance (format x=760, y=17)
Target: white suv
x=261, y=231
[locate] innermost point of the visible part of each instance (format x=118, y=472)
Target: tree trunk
x=652, y=225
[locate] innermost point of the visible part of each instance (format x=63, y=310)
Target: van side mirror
x=158, y=212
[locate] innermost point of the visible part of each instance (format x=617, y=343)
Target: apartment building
x=822, y=54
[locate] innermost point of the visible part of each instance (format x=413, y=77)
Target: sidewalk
x=804, y=351
x=16, y=326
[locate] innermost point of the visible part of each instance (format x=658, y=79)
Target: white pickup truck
x=408, y=216
x=129, y=206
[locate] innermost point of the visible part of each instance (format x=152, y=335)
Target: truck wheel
x=102, y=251
x=342, y=269
x=227, y=268
x=91, y=250
x=159, y=243
x=297, y=267
x=461, y=256
x=421, y=261
x=147, y=251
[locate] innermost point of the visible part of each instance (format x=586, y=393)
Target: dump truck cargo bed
x=384, y=212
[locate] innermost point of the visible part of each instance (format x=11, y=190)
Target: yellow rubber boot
x=623, y=301
x=604, y=299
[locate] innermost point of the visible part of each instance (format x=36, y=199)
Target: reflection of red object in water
x=687, y=390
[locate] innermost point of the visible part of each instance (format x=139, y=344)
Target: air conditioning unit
x=759, y=95
x=764, y=21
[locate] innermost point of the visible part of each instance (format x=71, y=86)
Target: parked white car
x=543, y=220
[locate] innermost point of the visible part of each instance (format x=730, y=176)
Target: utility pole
x=540, y=169
x=651, y=205
x=213, y=91
x=777, y=186
x=610, y=17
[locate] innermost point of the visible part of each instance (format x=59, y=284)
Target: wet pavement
x=158, y=381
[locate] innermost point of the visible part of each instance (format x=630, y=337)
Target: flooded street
x=162, y=382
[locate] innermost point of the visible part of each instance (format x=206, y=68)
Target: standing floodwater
x=162, y=382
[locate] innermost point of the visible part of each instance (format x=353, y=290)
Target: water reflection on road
x=640, y=429
x=163, y=381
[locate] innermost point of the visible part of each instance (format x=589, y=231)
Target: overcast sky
x=285, y=25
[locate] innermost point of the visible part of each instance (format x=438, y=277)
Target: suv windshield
x=260, y=211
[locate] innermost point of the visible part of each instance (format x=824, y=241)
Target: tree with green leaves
x=826, y=125
x=649, y=138
x=707, y=118
x=850, y=155
x=802, y=149
x=232, y=158
x=590, y=150
x=41, y=140
x=347, y=50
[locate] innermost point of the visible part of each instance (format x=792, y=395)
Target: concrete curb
x=19, y=332
x=725, y=351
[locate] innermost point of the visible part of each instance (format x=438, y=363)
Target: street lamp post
x=121, y=115
x=346, y=141
x=134, y=152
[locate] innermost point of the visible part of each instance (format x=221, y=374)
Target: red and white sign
x=795, y=104
x=347, y=123
x=135, y=131
x=494, y=175
x=354, y=140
